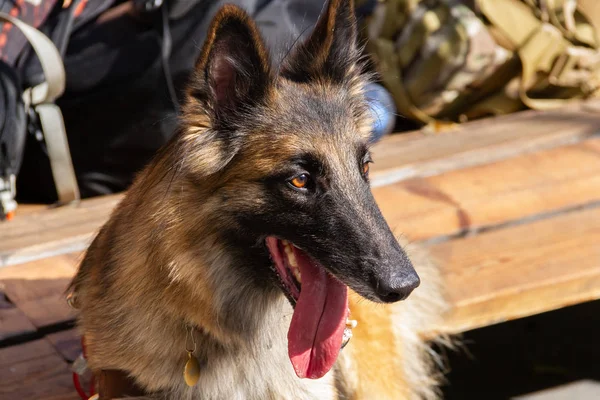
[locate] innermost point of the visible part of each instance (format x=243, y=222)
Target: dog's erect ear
x=330, y=53
x=233, y=71
x=232, y=75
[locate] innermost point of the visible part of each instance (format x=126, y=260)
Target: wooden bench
x=510, y=208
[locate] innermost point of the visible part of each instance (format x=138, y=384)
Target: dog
x=250, y=249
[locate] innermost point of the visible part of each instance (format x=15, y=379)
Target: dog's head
x=286, y=149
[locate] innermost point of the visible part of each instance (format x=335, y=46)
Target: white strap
x=52, y=65
x=58, y=152
x=42, y=97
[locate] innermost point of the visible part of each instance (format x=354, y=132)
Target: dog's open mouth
x=320, y=311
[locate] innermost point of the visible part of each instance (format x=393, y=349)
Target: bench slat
x=67, y=343
x=13, y=322
x=471, y=199
x=37, y=289
x=53, y=231
x=34, y=370
x=416, y=154
x=521, y=270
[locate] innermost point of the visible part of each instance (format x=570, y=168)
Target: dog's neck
x=243, y=341
x=192, y=278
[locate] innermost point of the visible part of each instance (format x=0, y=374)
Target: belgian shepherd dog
x=251, y=244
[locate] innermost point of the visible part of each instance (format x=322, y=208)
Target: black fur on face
x=310, y=122
x=336, y=221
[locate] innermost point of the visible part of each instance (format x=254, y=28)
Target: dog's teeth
x=351, y=323
x=289, y=251
x=292, y=260
x=296, y=272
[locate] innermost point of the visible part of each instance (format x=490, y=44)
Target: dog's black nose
x=397, y=287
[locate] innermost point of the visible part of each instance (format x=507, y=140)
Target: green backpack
x=454, y=61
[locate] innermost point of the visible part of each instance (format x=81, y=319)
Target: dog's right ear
x=232, y=76
x=233, y=72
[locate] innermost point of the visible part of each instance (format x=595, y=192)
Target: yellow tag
x=191, y=373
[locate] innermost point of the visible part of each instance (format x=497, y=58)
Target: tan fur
x=160, y=266
x=386, y=358
x=140, y=326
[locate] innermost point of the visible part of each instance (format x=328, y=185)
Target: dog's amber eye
x=300, y=181
x=366, y=168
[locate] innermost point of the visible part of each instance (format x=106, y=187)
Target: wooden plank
x=28, y=209
x=521, y=270
x=471, y=199
x=34, y=370
x=38, y=288
x=416, y=215
x=416, y=154
x=54, y=231
x=67, y=343
x=22, y=353
x=12, y=320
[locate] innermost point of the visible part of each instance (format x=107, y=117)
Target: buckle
x=8, y=191
x=576, y=68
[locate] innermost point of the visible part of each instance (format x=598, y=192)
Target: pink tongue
x=317, y=327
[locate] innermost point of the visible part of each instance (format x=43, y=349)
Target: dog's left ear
x=233, y=71
x=331, y=52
